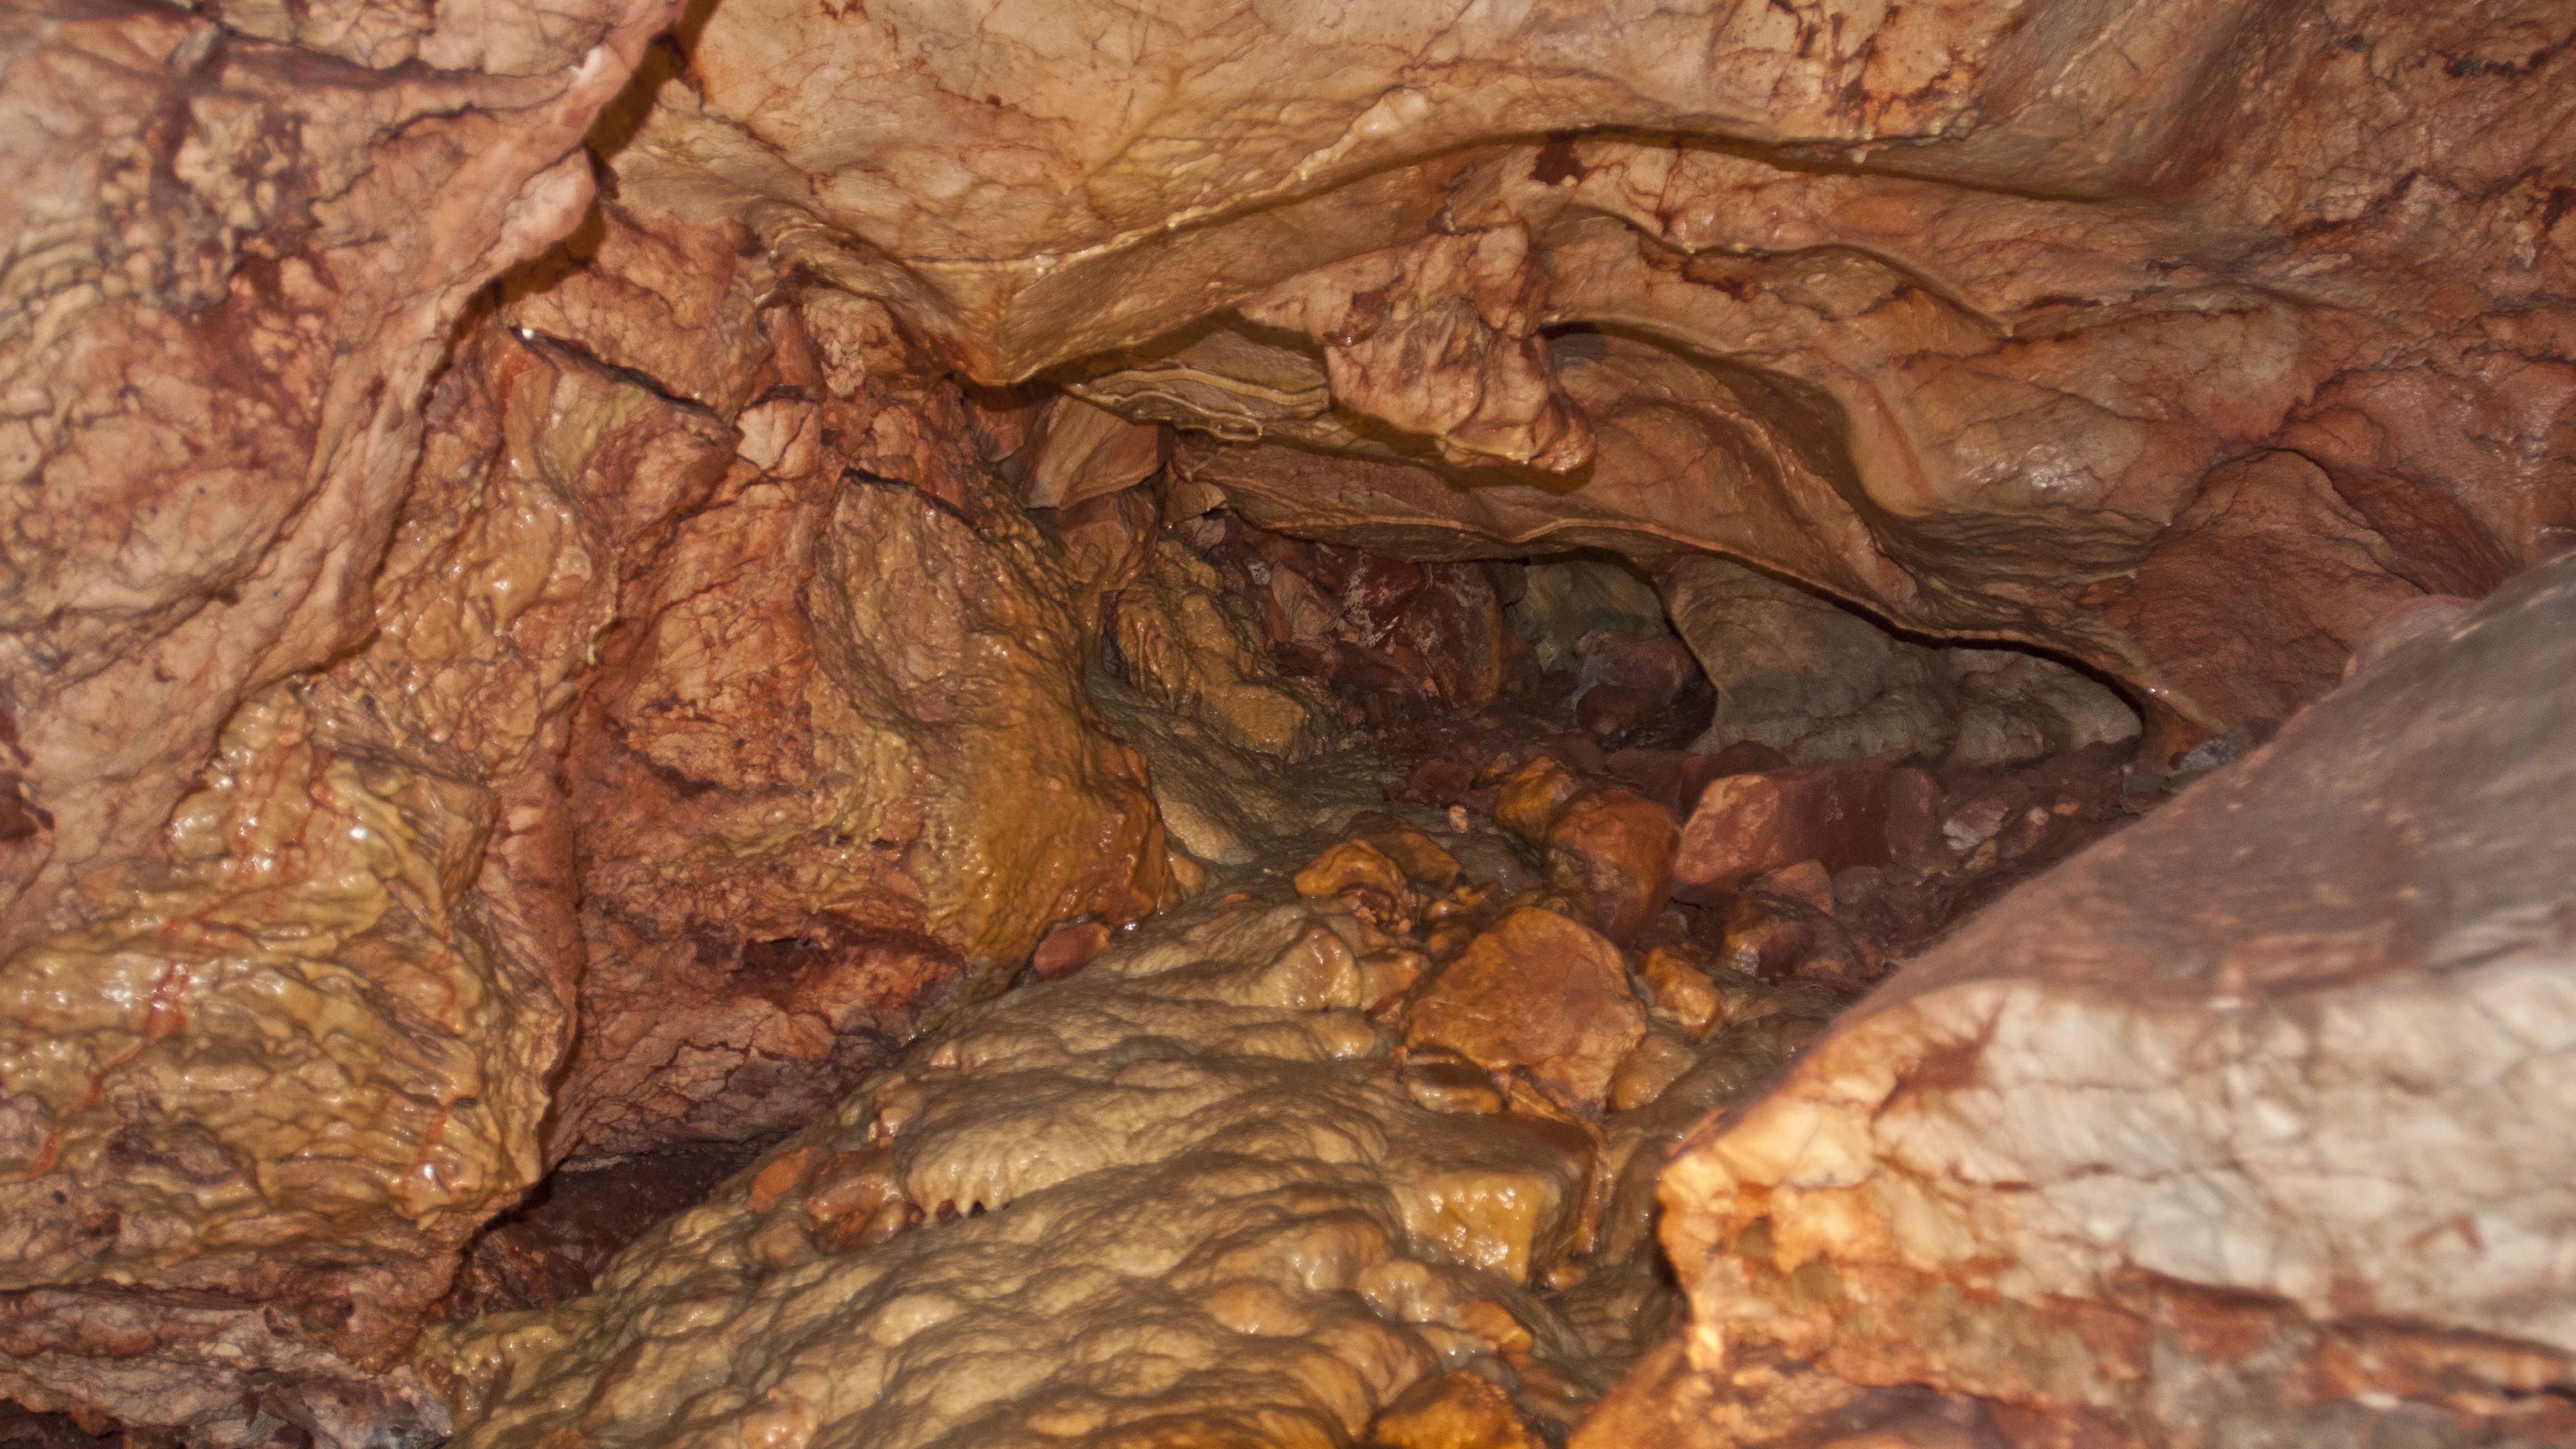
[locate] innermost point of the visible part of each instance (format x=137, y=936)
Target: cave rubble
x=588, y=586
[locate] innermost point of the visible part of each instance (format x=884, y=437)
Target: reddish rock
x=1539, y=993
x=1437, y=782
x=548, y=1248
x=1915, y=808
x=1642, y=688
x=1768, y=936
x=1805, y=881
x=1067, y=948
x=1613, y=851
x=1455, y=625
x=1744, y=825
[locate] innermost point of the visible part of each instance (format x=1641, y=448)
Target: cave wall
x=514, y=648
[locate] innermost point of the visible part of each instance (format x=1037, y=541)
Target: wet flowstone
x=1261, y=1173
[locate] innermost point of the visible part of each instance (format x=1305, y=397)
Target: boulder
x=1613, y=851
x=1537, y=992
x=1745, y=825
x=2244, y=1124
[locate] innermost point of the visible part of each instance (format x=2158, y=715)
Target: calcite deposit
x=2243, y=1124
x=574, y=579
x=1199, y=1193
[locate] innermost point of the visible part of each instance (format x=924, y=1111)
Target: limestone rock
x=1084, y=451
x=1183, y=649
x=1745, y=825
x=1613, y=851
x=2015, y=707
x=1176, y=1157
x=1536, y=992
x=1642, y=690
x=1804, y=675
x=844, y=771
x=355, y=963
x=2273, y=1068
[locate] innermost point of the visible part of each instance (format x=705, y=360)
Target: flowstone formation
x=576, y=580
x=1256, y=1180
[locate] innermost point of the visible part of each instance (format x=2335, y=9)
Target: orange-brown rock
x=1805, y=881
x=1352, y=865
x=1680, y=989
x=1067, y=948
x=1537, y=993
x=1459, y=1410
x=1531, y=797
x=1613, y=850
x=2229, y=1126
x=1423, y=860
x=1745, y=825
x=842, y=771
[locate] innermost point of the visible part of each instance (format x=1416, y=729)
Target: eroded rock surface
x=510, y=654
x=1236, y=1182
x=280, y=983
x=2035, y=325
x=2241, y=1123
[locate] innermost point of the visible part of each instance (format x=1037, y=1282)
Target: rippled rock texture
x=511, y=653
x=2242, y=1125
x=396, y=695
x=2184, y=339
x=1251, y=1180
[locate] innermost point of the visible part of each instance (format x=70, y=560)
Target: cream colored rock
x=1165, y=1196
x=2279, y=1065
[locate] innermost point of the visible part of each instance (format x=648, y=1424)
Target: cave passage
x=759, y=724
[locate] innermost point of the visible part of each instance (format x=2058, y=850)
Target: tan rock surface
x=2241, y=1122
x=1184, y=650
x=1537, y=992
x=1160, y=1198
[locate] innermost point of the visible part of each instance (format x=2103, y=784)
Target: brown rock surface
x=1538, y=993
x=2239, y=1123
x=1745, y=825
x=466, y=699
x=1184, y=650
x=1613, y=851
x=842, y=769
x=283, y=909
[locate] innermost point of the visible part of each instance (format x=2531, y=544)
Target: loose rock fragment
x=1744, y=825
x=1537, y=992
